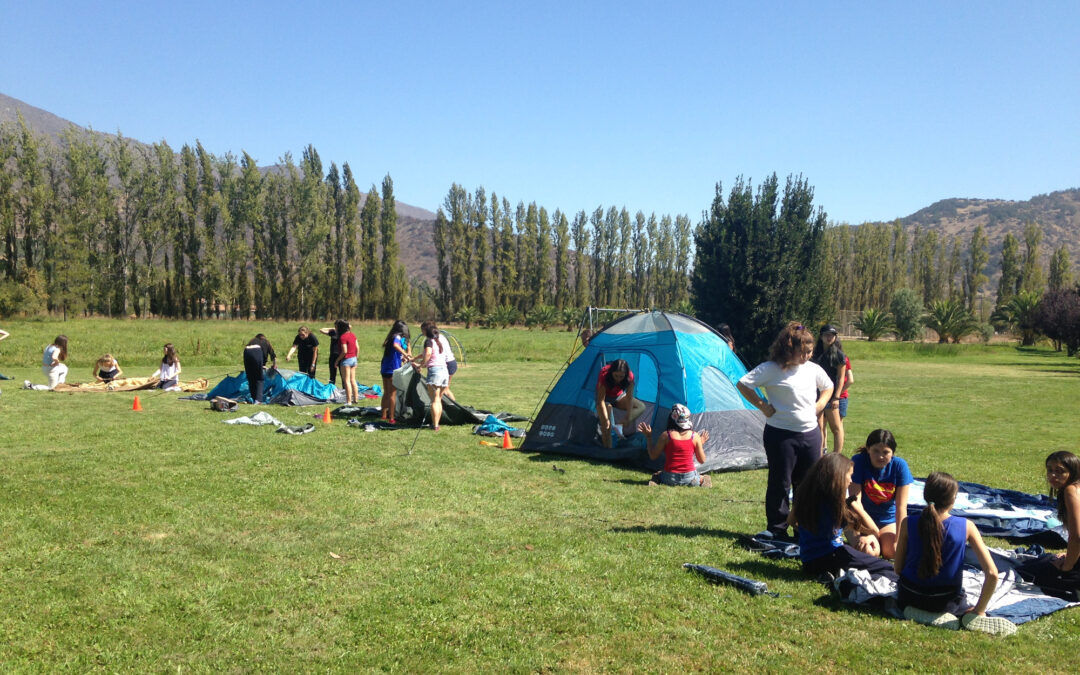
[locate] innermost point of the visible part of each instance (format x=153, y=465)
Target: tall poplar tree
x=581, y=235
x=975, y=266
x=371, y=267
x=395, y=281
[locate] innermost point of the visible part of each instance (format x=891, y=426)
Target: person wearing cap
x=831, y=358
x=680, y=445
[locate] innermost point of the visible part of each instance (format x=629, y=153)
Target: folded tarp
x=278, y=382
x=1008, y=514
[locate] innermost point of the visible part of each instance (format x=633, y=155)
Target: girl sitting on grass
x=1059, y=575
x=930, y=561
x=820, y=514
x=169, y=370
x=679, y=444
x=106, y=369
x=880, y=483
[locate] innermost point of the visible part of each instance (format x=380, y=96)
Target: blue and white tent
x=675, y=359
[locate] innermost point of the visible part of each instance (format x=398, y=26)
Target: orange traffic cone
x=507, y=445
x=326, y=415
x=136, y=406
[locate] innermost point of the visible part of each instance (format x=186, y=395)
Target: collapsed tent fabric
x=129, y=384
x=284, y=387
x=675, y=359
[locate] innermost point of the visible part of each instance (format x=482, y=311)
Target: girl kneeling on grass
x=679, y=444
x=820, y=514
x=1059, y=575
x=879, y=485
x=930, y=561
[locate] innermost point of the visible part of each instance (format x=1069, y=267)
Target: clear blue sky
x=883, y=107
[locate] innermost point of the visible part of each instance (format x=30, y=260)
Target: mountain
x=414, y=223
x=1058, y=213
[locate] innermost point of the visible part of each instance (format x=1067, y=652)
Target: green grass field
x=167, y=541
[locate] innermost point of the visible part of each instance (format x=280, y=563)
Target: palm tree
x=874, y=323
x=949, y=319
x=467, y=315
x=1020, y=314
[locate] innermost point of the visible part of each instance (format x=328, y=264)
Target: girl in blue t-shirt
x=930, y=561
x=820, y=514
x=880, y=483
x=396, y=351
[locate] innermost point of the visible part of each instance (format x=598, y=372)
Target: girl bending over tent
x=615, y=390
x=1059, y=574
x=930, y=561
x=679, y=444
x=107, y=369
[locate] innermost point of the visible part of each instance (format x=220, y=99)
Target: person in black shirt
x=335, y=350
x=306, y=347
x=256, y=354
x=829, y=355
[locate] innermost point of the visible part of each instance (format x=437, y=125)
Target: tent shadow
x=765, y=568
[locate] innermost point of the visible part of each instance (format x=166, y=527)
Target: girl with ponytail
x=930, y=561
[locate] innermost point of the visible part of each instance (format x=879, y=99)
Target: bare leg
x=836, y=423
x=436, y=405
x=605, y=424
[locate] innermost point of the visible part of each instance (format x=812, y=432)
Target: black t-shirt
x=305, y=347
x=335, y=344
x=830, y=361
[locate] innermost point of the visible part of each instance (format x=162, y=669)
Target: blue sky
x=884, y=108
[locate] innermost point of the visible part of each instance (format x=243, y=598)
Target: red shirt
x=679, y=455
x=612, y=393
x=847, y=362
x=348, y=345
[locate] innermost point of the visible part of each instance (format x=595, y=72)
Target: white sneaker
x=26, y=384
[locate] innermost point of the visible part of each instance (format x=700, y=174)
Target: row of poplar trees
x=118, y=228
x=867, y=264
x=491, y=254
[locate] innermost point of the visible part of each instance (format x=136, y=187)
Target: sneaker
x=826, y=579
x=994, y=625
x=26, y=384
x=935, y=619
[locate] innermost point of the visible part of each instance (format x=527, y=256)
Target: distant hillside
x=1058, y=213
x=414, y=223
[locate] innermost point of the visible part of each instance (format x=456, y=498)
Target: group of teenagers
x=106, y=369
x=437, y=357
x=851, y=513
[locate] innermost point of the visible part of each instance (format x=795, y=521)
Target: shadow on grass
x=765, y=568
x=681, y=531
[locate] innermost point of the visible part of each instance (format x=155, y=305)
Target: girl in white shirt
x=796, y=390
x=169, y=371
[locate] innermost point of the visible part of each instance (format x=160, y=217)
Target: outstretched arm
x=990, y=571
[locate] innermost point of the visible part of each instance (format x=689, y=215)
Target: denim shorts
x=691, y=478
x=437, y=376
x=350, y=362
x=451, y=367
x=843, y=407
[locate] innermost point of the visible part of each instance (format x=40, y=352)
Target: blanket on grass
x=129, y=384
x=1015, y=599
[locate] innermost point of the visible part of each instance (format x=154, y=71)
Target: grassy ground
x=165, y=540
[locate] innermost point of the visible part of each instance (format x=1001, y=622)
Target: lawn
x=165, y=540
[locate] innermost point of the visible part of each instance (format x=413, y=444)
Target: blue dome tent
x=675, y=359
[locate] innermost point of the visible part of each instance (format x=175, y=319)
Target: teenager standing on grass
x=306, y=347
x=438, y=379
x=257, y=354
x=1059, y=575
x=797, y=392
x=335, y=351
x=396, y=351
x=829, y=355
x=930, y=562
x=347, y=361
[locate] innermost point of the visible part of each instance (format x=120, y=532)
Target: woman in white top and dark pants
x=797, y=391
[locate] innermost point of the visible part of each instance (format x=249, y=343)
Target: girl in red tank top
x=680, y=445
